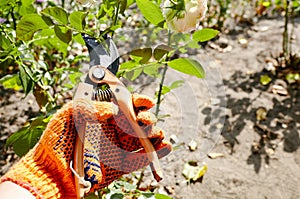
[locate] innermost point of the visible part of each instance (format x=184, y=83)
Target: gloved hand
x=111, y=149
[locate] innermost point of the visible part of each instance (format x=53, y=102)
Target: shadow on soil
x=279, y=125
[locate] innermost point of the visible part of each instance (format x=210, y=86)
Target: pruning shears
x=104, y=64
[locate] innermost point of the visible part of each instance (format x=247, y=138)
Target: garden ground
x=250, y=131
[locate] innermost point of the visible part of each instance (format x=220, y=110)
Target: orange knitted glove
x=112, y=149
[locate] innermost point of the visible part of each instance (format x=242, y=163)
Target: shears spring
x=105, y=94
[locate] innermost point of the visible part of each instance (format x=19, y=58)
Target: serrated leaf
x=77, y=20
x=187, y=66
x=57, y=13
x=64, y=34
x=205, y=34
x=150, y=11
x=11, y=82
x=28, y=25
x=141, y=55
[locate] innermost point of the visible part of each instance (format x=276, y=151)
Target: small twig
x=159, y=95
x=140, y=179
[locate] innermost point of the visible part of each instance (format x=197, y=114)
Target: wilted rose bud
x=184, y=15
x=86, y=3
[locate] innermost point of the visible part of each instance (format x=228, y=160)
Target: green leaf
x=4, y=42
x=165, y=90
x=141, y=55
x=266, y=4
x=147, y=195
x=24, y=139
x=78, y=38
x=150, y=11
x=128, y=65
x=152, y=69
x=11, y=82
x=187, y=66
x=265, y=79
x=292, y=77
x=26, y=81
x=26, y=7
x=161, y=196
x=160, y=51
x=57, y=13
x=205, y=34
x=16, y=136
x=133, y=74
x=126, y=185
x=91, y=196
x=77, y=20
x=192, y=172
x=177, y=84
x=28, y=25
x=117, y=196
x=63, y=33
x=75, y=77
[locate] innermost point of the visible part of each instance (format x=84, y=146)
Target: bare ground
x=261, y=158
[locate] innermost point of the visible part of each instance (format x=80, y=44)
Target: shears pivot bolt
x=98, y=73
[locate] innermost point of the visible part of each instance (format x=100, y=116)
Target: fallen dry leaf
x=280, y=90
x=215, y=155
x=192, y=172
x=192, y=145
x=261, y=114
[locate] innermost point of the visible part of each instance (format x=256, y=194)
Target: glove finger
x=135, y=161
x=142, y=102
x=93, y=111
x=131, y=143
x=145, y=118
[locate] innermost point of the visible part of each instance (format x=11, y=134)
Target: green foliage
x=25, y=138
x=151, y=11
x=205, y=34
x=187, y=66
x=40, y=53
x=121, y=189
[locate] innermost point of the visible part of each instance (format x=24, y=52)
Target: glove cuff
x=40, y=175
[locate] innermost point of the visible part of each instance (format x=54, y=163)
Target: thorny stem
x=165, y=68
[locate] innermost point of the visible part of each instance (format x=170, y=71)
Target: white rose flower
x=86, y=3
x=189, y=18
